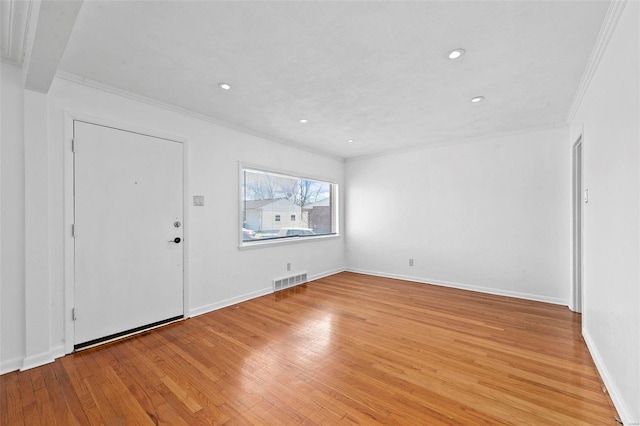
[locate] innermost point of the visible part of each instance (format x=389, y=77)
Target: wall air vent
x=286, y=282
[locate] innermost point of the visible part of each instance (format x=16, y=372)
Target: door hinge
x=73, y=145
x=73, y=314
x=73, y=230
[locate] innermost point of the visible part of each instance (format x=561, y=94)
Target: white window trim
x=294, y=239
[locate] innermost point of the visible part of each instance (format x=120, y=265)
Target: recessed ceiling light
x=455, y=53
x=304, y=120
x=477, y=99
x=351, y=140
x=225, y=86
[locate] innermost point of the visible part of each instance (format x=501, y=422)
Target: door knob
x=175, y=240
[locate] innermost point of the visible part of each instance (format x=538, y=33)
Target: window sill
x=248, y=245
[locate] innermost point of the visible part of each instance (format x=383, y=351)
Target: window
x=266, y=197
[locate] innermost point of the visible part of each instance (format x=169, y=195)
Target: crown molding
x=462, y=140
x=606, y=31
x=14, y=26
x=7, y=19
x=74, y=78
x=7, y=8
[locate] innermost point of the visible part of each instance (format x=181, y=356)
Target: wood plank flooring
x=347, y=349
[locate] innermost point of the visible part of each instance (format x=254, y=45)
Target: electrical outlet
x=288, y=266
x=410, y=262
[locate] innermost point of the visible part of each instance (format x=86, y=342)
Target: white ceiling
x=376, y=72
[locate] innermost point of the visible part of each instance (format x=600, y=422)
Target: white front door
x=128, y=231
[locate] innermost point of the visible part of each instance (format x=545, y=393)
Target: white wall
x=219, y=272
x=12, y=314
x=610, y=117
x=489, y=215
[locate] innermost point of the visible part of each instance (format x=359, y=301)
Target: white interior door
x=128, y=219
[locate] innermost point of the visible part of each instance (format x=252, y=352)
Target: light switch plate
x=198, y=200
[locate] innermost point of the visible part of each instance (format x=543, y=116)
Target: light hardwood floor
x=345, y=349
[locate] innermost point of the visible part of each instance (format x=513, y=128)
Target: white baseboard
x=488, y=290
x=9, y=365
x=613, y=391
x=33, y=361
x=20, y=363
x=37, y=360
x=58, y=351
x=228, y=302
x=248, y=296
x=325, y=274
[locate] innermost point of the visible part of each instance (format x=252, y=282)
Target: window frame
x=335, y=211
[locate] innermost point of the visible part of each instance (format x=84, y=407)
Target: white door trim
x=69, y=248
x=577, y=218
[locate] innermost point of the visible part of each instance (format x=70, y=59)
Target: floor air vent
x=282, y=283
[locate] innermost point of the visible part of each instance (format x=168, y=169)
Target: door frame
x=577, y=225
x=69, y=214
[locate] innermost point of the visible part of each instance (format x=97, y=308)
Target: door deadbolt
x=177, y=224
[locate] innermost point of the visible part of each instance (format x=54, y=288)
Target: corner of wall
x=608, y=381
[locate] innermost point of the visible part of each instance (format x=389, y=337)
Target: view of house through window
x=268, y=197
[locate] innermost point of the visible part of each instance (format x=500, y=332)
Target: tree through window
x=266, y=197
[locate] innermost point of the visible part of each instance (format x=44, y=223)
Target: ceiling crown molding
x=449, y=142
x=82, y=81
x=606, y=31
x=14, y=16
